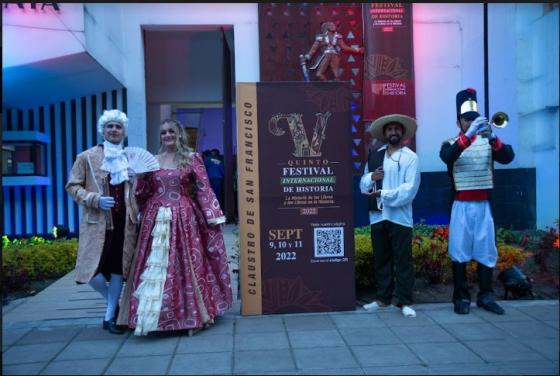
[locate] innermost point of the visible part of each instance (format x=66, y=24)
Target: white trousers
x=471, y=233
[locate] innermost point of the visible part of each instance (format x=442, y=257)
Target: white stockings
x=111, y=292
x=114, y=293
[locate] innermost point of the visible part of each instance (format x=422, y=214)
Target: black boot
x=461, y=294
x=111, y=325
x=485, y=297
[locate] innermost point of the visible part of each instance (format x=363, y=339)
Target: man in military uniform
x=470, y=163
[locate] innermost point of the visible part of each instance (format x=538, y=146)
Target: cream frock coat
x=85, y=185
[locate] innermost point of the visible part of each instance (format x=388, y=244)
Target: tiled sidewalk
x=58, y=331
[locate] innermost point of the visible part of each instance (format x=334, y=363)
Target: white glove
x=106, y=202
x=476, y=126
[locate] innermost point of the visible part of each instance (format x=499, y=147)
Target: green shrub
x=28, y=260
x=422, y=229
x=510, y=255
x=363, y=261
x=366, y=230
x=430, y=259
x=506, y=236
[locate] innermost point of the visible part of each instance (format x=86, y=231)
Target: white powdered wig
x=110, y=116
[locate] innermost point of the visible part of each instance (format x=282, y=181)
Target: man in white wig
x=102, y=182
x=391, y=180
x=470, y=163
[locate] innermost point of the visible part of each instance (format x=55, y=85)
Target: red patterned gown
x=181, y=278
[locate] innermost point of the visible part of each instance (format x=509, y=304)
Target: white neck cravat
x=115, y=162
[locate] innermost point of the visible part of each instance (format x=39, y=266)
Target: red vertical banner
x=389, y=61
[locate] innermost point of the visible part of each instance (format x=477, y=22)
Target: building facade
x=183, y=60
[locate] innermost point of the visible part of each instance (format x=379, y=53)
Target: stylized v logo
x=301, y=143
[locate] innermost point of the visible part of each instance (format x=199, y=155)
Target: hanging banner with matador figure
x=295, y=197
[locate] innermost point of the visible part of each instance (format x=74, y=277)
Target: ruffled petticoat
x=150, y=291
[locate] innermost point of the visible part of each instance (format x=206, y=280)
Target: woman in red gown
x=180, y=278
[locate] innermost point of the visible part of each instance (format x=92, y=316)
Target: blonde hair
x=184, y=153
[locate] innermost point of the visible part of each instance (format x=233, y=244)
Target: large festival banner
x=295, y=197
x=389, y=61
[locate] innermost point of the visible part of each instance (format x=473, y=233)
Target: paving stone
x=11, y=322
x=517, y=367
x=547, y=347
x=324, y=358
x=218, y=363
x=91, y=333
x=49, y=334
x=145, y=365
x=315, y=338
x=450, y=317
x=80, y=321
x=308, y=322
x=33, y=353
x=263, y=361
x=528, y=330
x=77, y=367
x=261, y=341
x=11, y=336
x=543, y=313
x=502, y=350
x=385, y=355
x=146, y=346
x=358, y=321
x=369, y=336
x=399, y=370
x=334, y=371
x=272, y=373
x=422, y=334
x=259, y=324
x=214, y=343
x=511, y=314
x=22, y=369
x=89, y=350
x=476, y=331
x=444, y=353
x=463, y=369
x=223, y=325
x=397, y=319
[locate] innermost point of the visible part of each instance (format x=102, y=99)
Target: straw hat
x=376, y=127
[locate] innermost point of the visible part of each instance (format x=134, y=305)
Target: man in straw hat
x=391, y=180
x=469, y=158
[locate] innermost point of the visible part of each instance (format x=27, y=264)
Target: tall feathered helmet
x=112, y=116
x=467, y=108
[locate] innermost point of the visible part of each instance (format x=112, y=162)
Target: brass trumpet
x=499, y=120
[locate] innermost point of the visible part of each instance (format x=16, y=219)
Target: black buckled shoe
x=112, y=327
x=461, y=306
x=490, y=305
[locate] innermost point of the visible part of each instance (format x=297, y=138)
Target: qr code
x=329, y=241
